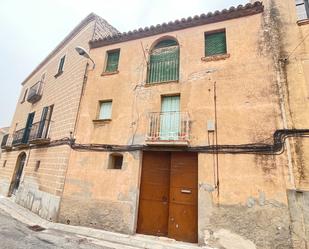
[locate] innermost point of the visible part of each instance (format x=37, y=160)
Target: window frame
x=213, y=32
x=105, y=71
x=305, y=3
x=152, y=77
x=61, y=67
x=112, y=161
x=99, y=110
x=25, y=93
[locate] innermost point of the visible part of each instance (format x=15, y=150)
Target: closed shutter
x=215, y=44
x=112, y=61
x=105, y=110
x=164, y=65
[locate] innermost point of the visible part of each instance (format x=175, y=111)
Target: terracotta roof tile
x=211, y=17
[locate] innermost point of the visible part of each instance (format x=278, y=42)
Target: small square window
x=115, y=161
x=215, y=43
x=112, y=61
x=4, y=163
x=105, y=110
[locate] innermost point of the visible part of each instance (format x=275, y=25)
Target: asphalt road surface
x=16, y=235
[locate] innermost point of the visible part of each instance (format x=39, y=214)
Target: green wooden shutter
x=215, y=44
x=112, y=61
x=164, y=65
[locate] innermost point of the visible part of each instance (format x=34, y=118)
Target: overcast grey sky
x=30, y=29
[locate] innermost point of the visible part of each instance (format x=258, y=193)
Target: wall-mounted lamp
x=82, y=52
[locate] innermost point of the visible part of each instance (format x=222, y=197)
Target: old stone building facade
x=32, y=167
x=175, y=93
x=193, y=129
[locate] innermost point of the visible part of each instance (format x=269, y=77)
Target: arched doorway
x=20, y=163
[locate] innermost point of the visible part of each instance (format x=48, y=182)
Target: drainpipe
x=281, y=79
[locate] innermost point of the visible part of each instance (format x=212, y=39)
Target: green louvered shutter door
x=112, y=61
x=215, y=44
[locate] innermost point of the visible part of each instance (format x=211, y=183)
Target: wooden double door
x=168, y=195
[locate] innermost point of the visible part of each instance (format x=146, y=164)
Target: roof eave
x=217, y=16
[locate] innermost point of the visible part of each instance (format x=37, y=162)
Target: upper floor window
x=112, y=61
x=61, y=65
x=105, y=112
x=302, y=9
x=164, y=62
x=215, y=43
x=24, y=96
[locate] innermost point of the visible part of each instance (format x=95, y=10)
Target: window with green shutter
x=164, y=62
x=112, y=61
x=215, y=43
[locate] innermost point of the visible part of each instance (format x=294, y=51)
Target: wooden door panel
x=183, y=197
x=183, y=222
x=154, y=195
x=153, y=218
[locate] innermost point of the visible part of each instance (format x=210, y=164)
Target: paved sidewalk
x=95, y=236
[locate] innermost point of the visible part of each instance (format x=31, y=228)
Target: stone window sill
x=161, y=83
x=109, y=73
x=58, y=74
x=303, y=22
x=98, y=121
x=216, y=57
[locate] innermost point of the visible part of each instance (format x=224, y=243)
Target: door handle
x=164, y=199
x=186, y=191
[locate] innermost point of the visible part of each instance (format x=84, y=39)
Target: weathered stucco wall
x=293, y=52
x=100, y=197
x=251, y=208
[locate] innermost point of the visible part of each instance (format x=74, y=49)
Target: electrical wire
x=276, y=148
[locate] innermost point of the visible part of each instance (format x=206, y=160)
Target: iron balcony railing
x=21, y=137
x=35, y=92
x=40, y=130
x=168, y=126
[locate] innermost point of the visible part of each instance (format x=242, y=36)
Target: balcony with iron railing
x=35, y=92
x=168, y=128
x=39, y=133
x=6, y=143
x=20, y=137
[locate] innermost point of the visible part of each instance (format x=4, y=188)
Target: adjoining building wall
x=250, y=205
x=41, y=187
